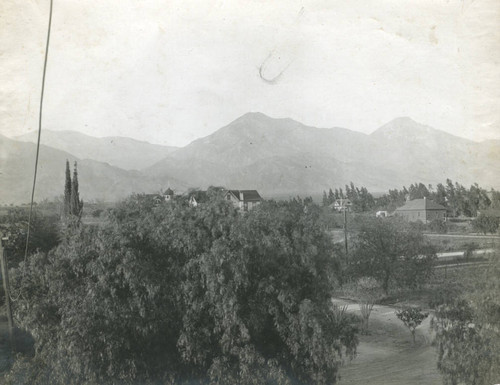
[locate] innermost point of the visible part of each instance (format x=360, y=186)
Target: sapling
x=411, y=317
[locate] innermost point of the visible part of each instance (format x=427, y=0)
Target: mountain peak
x=403, y=127
x=253, y=117
x=403, y=120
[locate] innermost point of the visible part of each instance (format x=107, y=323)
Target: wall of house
x=413, y=215
x=422, y=215
x=435, y=214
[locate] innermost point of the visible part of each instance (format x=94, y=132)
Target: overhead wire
x=30, y=217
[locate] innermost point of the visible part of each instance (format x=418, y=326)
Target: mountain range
x=278, y=157
x=126, y=153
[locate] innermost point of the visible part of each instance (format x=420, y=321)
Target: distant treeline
x=360, y=198
x=459, y=200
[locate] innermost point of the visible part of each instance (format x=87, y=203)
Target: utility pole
x=5, y=280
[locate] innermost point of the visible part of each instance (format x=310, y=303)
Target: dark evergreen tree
x=67, y=192
x=76, y=204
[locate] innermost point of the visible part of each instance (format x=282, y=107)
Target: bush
x=438, y=226
x=486, y=224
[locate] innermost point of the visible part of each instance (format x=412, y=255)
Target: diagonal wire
x=37, y=143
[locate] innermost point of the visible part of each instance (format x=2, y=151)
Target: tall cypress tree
x=67, y=192
x=76, y=204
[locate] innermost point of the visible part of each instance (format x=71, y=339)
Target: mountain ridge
x=285, y=157
x=98, y=180
x=398, y=153
x=109, y=149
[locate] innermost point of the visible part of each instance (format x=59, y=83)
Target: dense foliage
x=44, y=232
x=468, y=331
x=485, y=223
x=458, y=199
x=360, y=198
x=391, y=251
x=172, y=294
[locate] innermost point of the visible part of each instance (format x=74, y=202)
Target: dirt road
x=387, y=355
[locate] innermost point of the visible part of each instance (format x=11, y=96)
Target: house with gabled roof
x=243, y=200
x=424, y=210
x=341, y=204
x=168, y=195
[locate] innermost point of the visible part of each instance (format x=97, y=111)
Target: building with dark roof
x=168, y=194
x=424, y=210
x=243, y=200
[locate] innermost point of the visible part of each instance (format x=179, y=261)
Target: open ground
x=386, y=354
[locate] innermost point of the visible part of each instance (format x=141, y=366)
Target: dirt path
x=387, y=355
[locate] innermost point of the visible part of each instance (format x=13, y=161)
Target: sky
x=169, y=72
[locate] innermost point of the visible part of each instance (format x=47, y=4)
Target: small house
x=341, y=204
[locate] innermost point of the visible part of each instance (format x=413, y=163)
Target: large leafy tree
x=392, y=252
x=165, y=292
x=265, y=293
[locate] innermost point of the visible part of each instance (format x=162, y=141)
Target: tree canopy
x=391, y=251
x=173, y=294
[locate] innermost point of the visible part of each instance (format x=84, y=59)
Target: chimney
x=242, y=198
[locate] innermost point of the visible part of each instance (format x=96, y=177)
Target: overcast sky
x=171, y=71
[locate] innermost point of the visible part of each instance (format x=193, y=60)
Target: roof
x=248, y=195
x=342, y=201
x=421, y=204
x=169, y=191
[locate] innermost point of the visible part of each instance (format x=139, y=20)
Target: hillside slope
x=126, y=153
x=97, y=180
